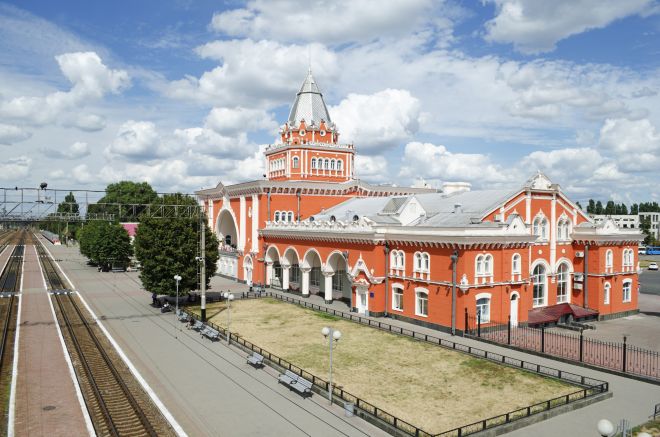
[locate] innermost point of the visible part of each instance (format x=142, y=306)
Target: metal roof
x=309, y=104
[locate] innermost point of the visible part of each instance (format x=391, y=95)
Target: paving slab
x=207, y=386
x=46, y=400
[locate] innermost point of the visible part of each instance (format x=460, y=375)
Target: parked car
x=653, y=266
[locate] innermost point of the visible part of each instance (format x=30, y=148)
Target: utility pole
x=203, y=261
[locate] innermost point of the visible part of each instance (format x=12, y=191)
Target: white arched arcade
x=337, y=282
x=227, y=233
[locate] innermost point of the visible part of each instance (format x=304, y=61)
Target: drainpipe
x=298, y=213
x=268, y=207
x=387, y=270
x=586, y=278
x=454, y=262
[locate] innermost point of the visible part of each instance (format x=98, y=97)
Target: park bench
x=198, y=325
x=210, y=333
x=257, y=360
x=300, y=384
x=183, y=317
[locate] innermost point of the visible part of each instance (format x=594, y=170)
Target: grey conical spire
x=309, y=104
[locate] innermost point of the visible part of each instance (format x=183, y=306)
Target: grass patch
x=652, y=427
x=431, y=387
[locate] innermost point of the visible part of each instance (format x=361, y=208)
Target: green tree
x=609, y=207
x=599, y=208
x=634, y=209
x=591, y=208
x=125, y=200
x=579, y=205
x=69, y=205
x=105, y=244
x=168, y=247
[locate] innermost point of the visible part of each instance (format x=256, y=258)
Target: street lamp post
x=331, y=334
x=229, y=297
x=177, y=278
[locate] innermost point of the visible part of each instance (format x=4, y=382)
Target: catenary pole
x=203, y=268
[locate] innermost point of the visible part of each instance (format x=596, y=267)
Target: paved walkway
x=46, y=402
x=632, y=400
x=208, y=387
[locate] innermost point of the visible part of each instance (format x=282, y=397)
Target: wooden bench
x=300, y=384
x=257, y=360
x=210, y=333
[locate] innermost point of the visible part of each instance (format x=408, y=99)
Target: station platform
x=46, y=400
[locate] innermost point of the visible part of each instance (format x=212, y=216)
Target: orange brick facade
x=528, y=251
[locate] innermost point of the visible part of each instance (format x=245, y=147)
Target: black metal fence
x=590, y=387
x=618, y=356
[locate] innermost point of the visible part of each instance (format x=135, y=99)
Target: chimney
x=455, y=187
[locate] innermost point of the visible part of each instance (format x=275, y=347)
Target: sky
x=184, y=94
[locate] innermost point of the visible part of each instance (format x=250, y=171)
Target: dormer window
x=540, y=227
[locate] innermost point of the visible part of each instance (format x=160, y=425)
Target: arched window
x=609, y=261
x=483, y=309
x=426, y=264
x=228, y=240
x=277, y=216
x=627, y=290
x=540, y=284
x=290, y=217
x=332, y=164
x=563, y=283
x=421, y=302
x=326, y=164
x=400, y=260
x=313, y=162
x=397, y=297
x=536, y=226
x=296, y=162
x=393, y=260
x=339, y=164
x=418, y=262
x=544, y=229
x=484, y=267
x=515, y=264
x=606, y=293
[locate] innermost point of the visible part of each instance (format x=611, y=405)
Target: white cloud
x=138, y=140
x=90, y=80
x=253, y=74
x=536, y=26
x=338, y=21
x=372, y=168
x=379, y=121
x=76, y=151
x=635, y=143
x=232, y=121
x=433, y=162
x=89, y=122
x=208, y=142
x=10, y=134
x=15, y=168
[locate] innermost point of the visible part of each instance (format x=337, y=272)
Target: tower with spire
x=309, y=148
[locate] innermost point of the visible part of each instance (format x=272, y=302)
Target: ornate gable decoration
x=361, y=267
x=539, y=182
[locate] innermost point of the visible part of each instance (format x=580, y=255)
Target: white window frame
x=290, y=217
x=540, y=301
x=626, y=290
x=485, y=316
x=295, y=162
x=399, y=288
x=419, y=291
x=484, y=268
x=516, y=270
x=607, y=291
x=340, y=165
x=609, y=261
x=314, y=163
x=540, y=227
x=564, y=278
x=277, y=217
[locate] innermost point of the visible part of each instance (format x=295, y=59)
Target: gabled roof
x=309, y=104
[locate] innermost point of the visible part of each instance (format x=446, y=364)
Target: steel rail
x=53, y=276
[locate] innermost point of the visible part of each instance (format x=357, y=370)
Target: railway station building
x=422, y=255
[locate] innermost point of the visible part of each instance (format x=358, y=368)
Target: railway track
x=10, y=279
x=117, y=404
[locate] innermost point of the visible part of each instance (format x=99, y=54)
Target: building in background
x=625, y=221
x=417, y=254
x=654, y=222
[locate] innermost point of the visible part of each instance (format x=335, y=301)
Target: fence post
x=581, y=345
x=542, y=338
x=466, y=323
x=508, y=331
x=625, y=352
x=478, y=323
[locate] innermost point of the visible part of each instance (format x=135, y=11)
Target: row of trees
x=612, y=208
x=164, y=246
